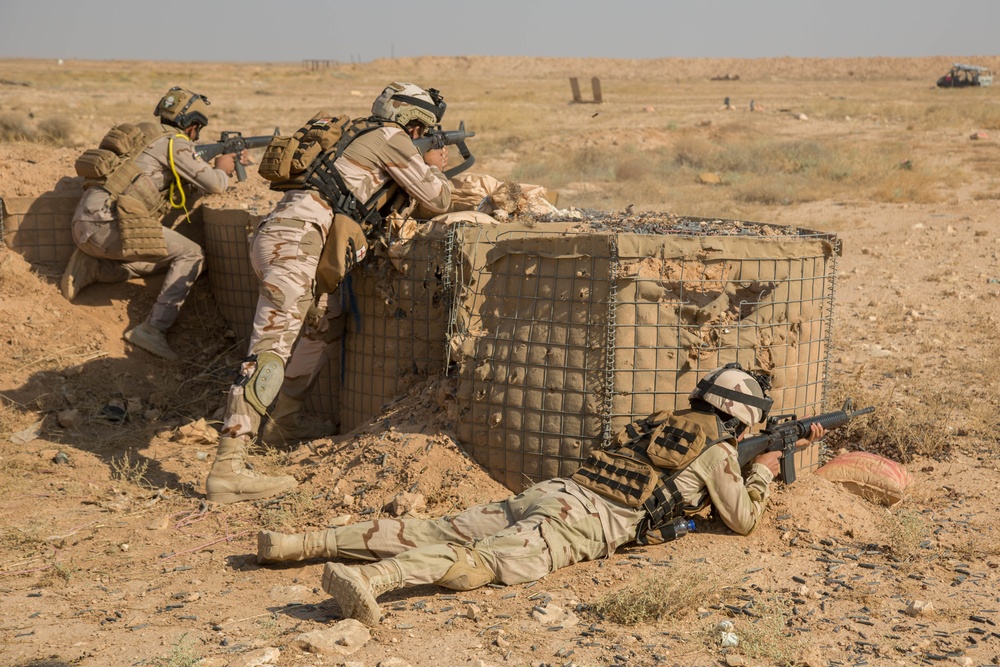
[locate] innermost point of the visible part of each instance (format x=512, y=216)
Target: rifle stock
x=783, y=431
x=233, y=142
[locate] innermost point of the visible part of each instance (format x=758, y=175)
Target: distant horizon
x=255, y=31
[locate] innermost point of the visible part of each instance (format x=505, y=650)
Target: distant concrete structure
x=595, y=84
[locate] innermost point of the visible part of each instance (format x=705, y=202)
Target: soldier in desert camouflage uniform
x=117, y=224
x=559, y=522
x=378, y=171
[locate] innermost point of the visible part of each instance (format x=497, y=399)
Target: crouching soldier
x=660, y=469
x=135, y=177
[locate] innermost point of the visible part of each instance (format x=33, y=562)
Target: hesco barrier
x=559, y=334
x=561, y=339
x=39, y=227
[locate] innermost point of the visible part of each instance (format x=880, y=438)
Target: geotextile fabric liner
x=39, y=228
x=397, y=319
x=574, y=336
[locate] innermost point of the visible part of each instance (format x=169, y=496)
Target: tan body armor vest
x=640, y=469
x=140, y=205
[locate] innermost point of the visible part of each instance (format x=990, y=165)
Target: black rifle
x=781, y=433
x=436, y=138
x=233, y=142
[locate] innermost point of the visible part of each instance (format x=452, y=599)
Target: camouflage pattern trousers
x=520, y=539
x=182, y=263
x=284, y=255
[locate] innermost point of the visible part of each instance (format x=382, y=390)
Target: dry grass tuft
x=904, y=530
x=653, y=598
x=15, y=127
x=767, y=638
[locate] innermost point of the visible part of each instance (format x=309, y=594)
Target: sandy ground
x=110, y=556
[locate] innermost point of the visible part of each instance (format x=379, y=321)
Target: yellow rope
x=178, y=185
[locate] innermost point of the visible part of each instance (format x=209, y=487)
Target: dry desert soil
x=110, y=556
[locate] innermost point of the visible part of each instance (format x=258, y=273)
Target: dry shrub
x=15, y=127
x=653, y=598
x=58, y=130
x=891, y=431
x=768, y=638
x=904, y=530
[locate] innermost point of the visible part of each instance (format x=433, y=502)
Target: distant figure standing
x=726, y=105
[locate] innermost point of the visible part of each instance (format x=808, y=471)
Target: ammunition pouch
x=345, y=247
x=621, y=478
x=140, y=229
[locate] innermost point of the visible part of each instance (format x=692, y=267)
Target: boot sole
x=351, y=593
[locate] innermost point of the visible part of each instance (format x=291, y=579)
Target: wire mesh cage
x=39, y=228
x=568, y=337
x=397, y=316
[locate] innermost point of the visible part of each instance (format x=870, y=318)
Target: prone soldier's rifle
x=783, y=431
x=436, y=138
x=234, y=142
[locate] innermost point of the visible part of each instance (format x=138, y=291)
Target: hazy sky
x=257, y=30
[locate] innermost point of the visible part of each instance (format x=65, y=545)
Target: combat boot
x=151, y=339
x=287, y=426
x=84, y=270
x=356, y=588
x=277, y=547
x=232, y=480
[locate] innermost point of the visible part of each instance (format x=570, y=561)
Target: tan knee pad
x=469, y=572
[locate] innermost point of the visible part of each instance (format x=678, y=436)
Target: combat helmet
x=737, y=393
x=404, y=103
x=182, y=108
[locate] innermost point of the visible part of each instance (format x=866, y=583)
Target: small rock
x=919, y=608
x=261, y=656
x=393, y=662
x=729, y=640
x=340, y=520
x=472, y=611
x=554, y=615
x=286, y=594
x=648, y=109
x=800, y=116
x=212, y=662
x=344, y=638
x=407, y=503
x=733, y=660
x=69, y=418
x=976, y=136
x=159, y=523
x=709, y=178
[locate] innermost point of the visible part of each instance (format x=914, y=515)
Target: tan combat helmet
x=404, y=103
x=736, y=392
x=182, y=108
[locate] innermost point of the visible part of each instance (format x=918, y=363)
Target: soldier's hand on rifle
x=816, y=431
x=245, y=157
x=226, y=162
x=437, y=158
x=770, y=460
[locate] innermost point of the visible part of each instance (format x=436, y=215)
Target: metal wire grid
x=39, y=228
x=520, y=420
x=396, y=329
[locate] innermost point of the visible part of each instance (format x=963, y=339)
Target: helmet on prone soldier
x=737, y=393
x=182, y=108
x=403, y=103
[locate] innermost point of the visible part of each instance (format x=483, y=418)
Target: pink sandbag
x=870, y=476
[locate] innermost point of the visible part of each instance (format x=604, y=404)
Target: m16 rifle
x=234, y=142
x=781, y=433
x=435, y=138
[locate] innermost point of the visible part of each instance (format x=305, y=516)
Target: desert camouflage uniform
x=286, y=253
x=96, y=230
x=553, y=524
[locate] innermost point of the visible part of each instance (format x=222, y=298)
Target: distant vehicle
x=962, y=76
